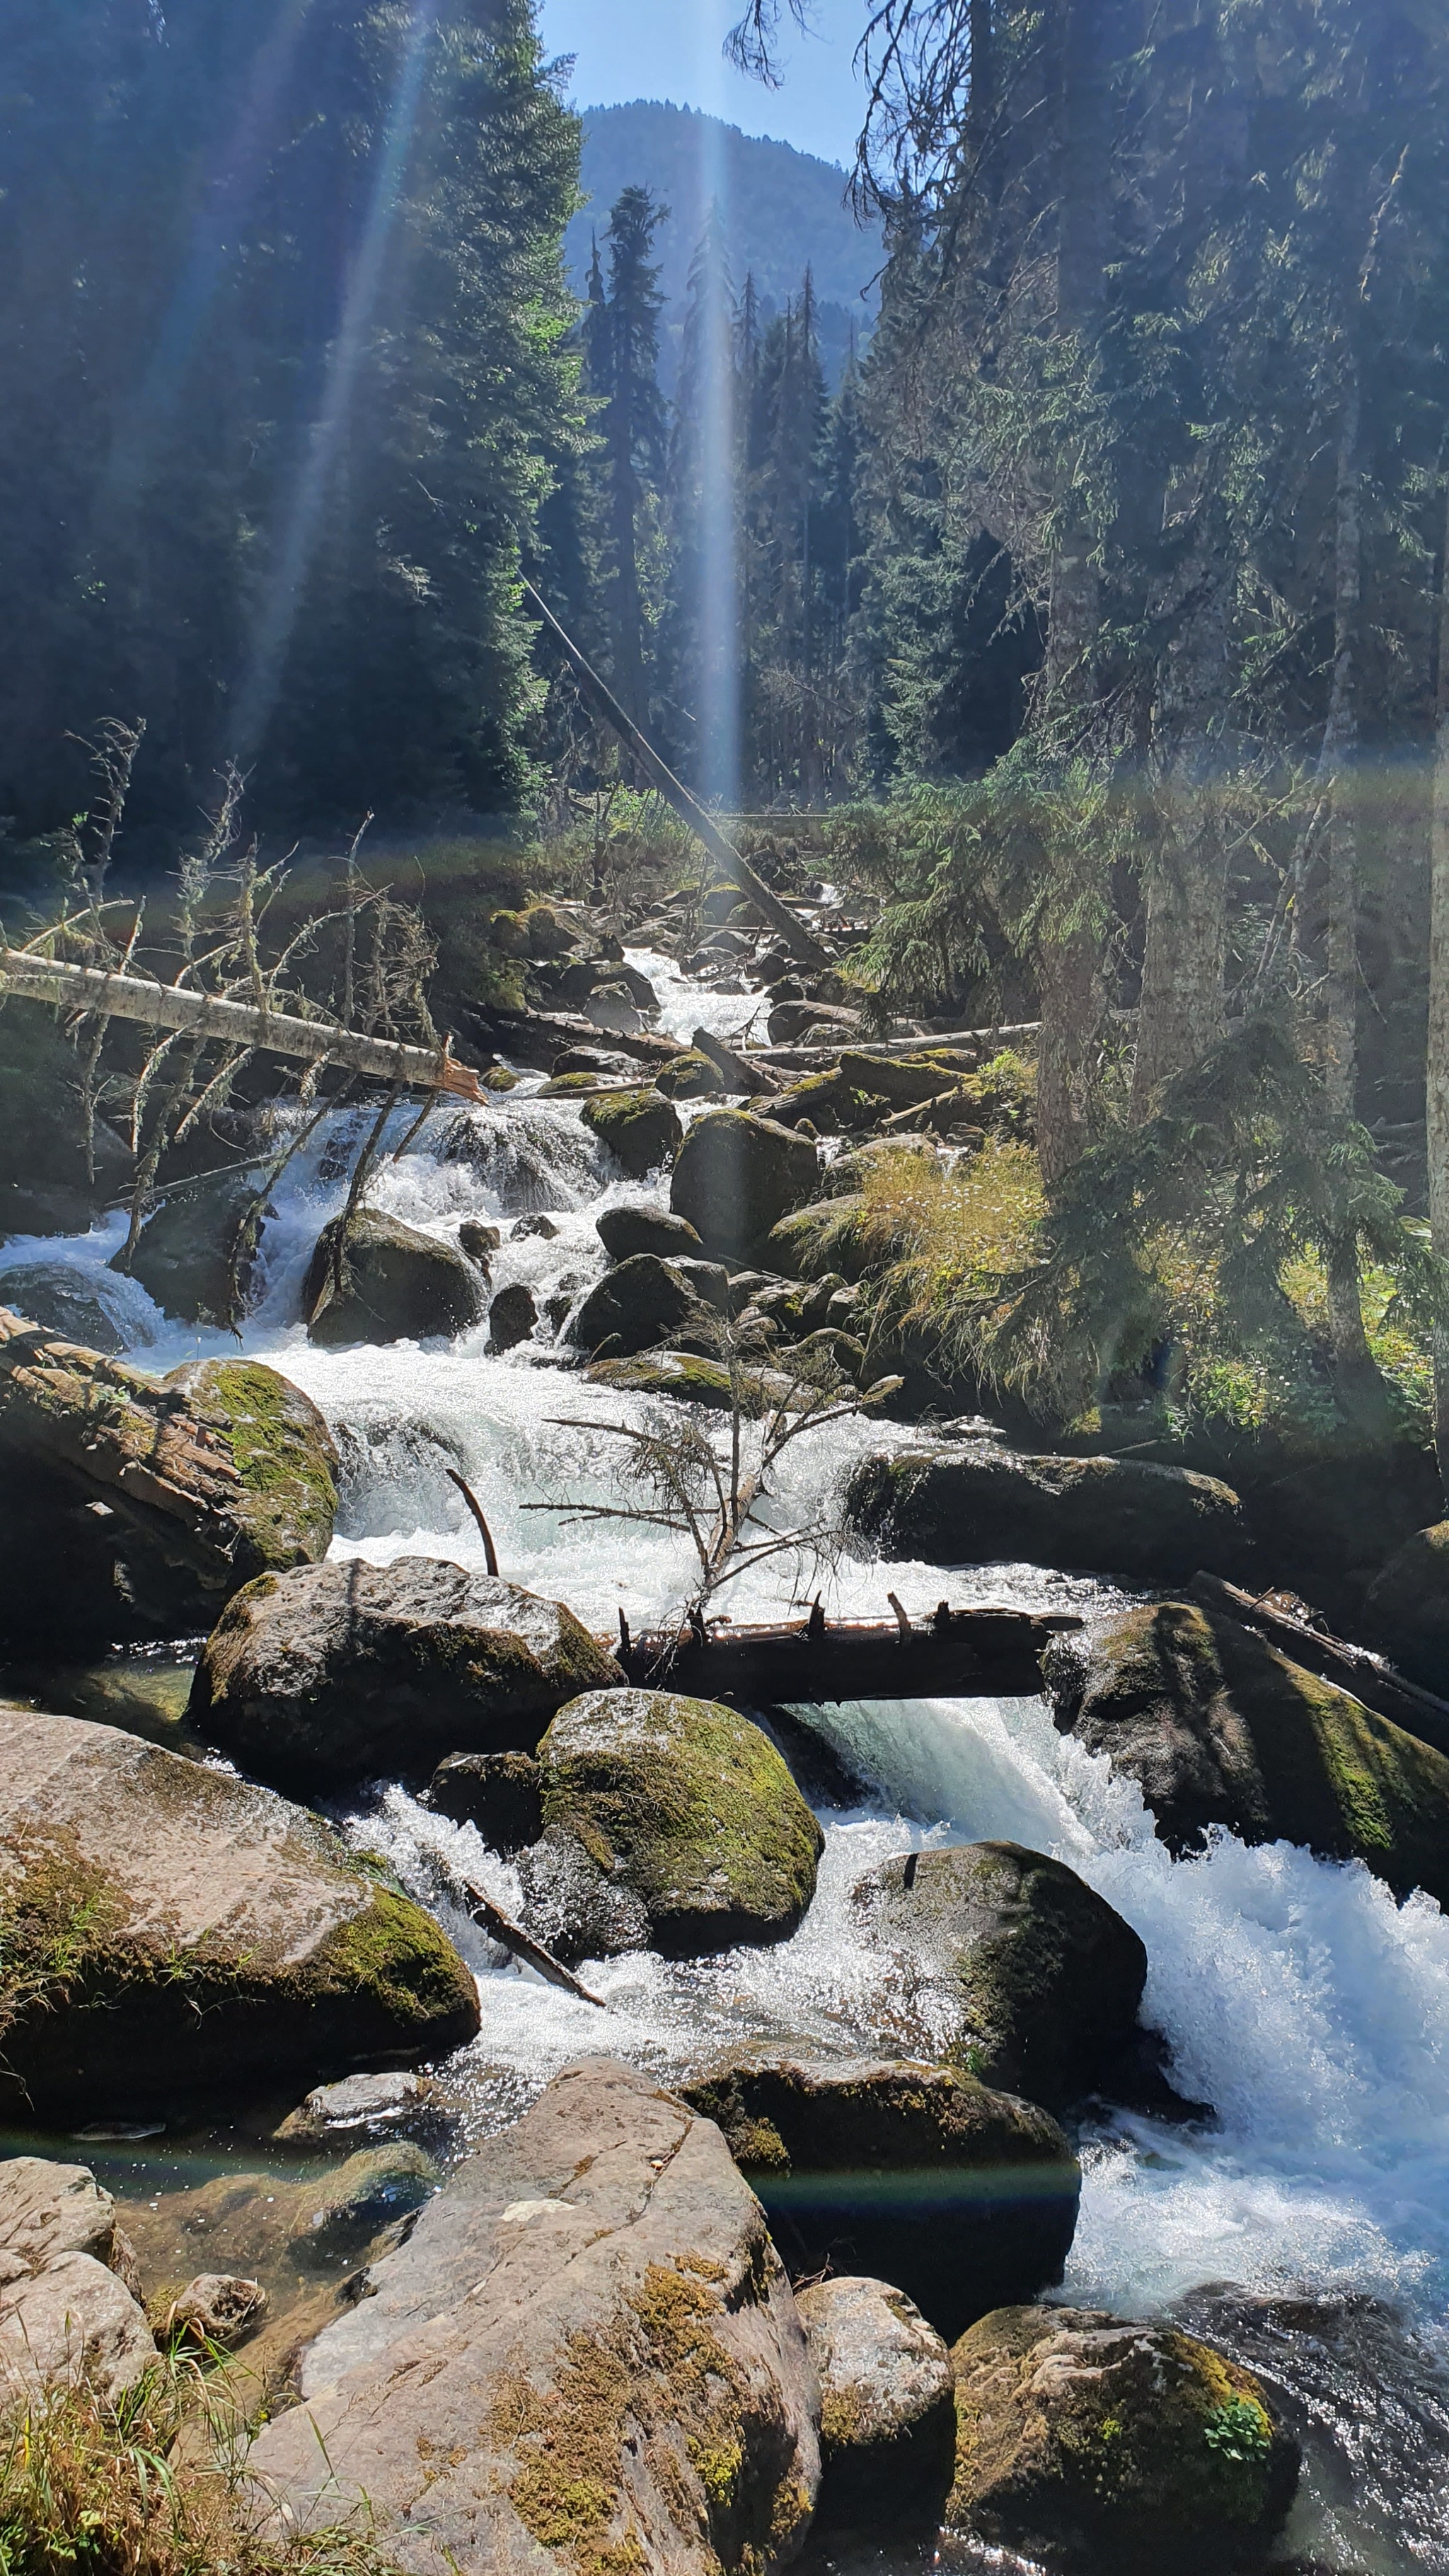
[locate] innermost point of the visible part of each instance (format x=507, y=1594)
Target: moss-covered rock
x=737, y=1175
x=169, y=1934
x=1076, y=2429
x=829, y=1236
x=508, y=932
x=396, y=1285
x=1219, y=1728
x=689, y=1076
x=887, y=2404
x=1034, y=1978
x=635, y=1305
x=915, y=2174
x=689, y=1807
x=692, y=1379
x=1408, y=1606
x=284, y=1456
x=338, y=1673
x=640, y=1128
x=976, y=1503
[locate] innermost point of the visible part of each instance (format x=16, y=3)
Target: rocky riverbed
x=1131, y=1997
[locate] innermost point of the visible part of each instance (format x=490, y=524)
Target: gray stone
x=500, y=1793
x=62, y=1299
x=587, y=2337
x=216, y=2310
x=979, y=1504
x=737, y=1175
x=511, y=1318
x=633, y=1307
x=342, y=1672
x=479, y=1242
x=191, y=1255
x=643, y=1227
x=68, y=2304
x=887, y=2403
x=397, y=1285
x=358, y=2102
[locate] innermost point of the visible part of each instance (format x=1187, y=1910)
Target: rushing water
x=1310, y=2226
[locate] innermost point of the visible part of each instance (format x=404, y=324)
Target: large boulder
x=172, y=1934
x=640, y=1226
x=737, y=1175
x=976, y=1503
x=887, y=2403
x=1077, y=2429
x=1407, y=1607
x=342, y=1672
x=130, y=1508
x=196, y=1256
x=585, y=2357
x=640, y=1128
x=1219, y=1728
x=67, y=1301
x=634, y=1306
x=395, y=1285
x=69, y=2308
x=687, y=1809
x=1032, y=1978
x=920, y=2175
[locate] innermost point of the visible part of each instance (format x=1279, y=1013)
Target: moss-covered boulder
x=132, y=1509
x=197, y=1255
x=640, y=1128
x=394, y=1285
x=1407, y=1608
x=169, y=1935
x=338, y=1673
x=640, y=1226
x=1219, y=1728
x=977, y=1503
x=690, y=1076
x=635, y=1305
x=1033, y=1979
x=688, y=1807
x=831, y=1235
x=691, y=1378
x=737, y=1175
x=887, y=2404
x=1077, y=2430
x=963, y=2197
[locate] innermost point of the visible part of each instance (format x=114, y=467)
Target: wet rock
x=512, y=1318
x=217, y=2310
x=689, y=1076
x=500, y=1793
x=737, y=1175
x=260, y=2223
x=612, y=1006
x=687, y=1807
x=690, y=1379
x=538, y=1226
x=640, y=1128
x=977, y=1503
x=64, y=1300
x=479, y=1242
x=917, y=2174
x=586, y=2339
x=887, y=2403
x=1407, y=1608
x=46, y=1186
x=206, y=1937
x=1078, y=2430
x=397, y=1285
x=1219, y=1728
x=577, y=1908
x=197, y=1255
x=134, y=1509
x=344, y=1672
x=1036, y=1978
x=623, y=1231
x=358, y=2102
x=635, y=1305
x=68, y=2295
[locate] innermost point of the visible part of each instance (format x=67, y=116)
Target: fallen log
x=92, y=991
x=1353, y=1668
x=970, y=1654
x=732, y=866
x=536, y=1037
x=741, y=1070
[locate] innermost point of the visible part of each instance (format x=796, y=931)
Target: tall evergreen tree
x=623, y=364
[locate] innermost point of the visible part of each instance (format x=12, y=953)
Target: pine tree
x=623, y=363
x=702, y=637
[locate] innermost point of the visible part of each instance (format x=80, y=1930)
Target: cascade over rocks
x=737, y=1175
x=397, y=1285
x=69, y=2298
x=132, y=1508
x=682, y=1808
x=342, y=1672
x=171, y=1933
x=1220, y=1728
x=1038, y=1979
x=586, y=2354
x=189, y=1256
x=977, y=1503
x=1074, y=2427
x=961, y=2196
x=887, y=2403
x=634, y=1306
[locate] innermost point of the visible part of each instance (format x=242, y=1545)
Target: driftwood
x=735, y=869
x=968, y=1654
x=742, y=1070
x=536, y=1037
x=1386, y=1692
x=500, y=1927
x=89, y=990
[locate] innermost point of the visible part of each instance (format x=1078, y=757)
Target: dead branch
x=490, y=1553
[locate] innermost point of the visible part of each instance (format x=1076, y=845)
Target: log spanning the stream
x=90, y=990
x=959, y=1654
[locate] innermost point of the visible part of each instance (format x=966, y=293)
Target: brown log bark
x=967, y=1653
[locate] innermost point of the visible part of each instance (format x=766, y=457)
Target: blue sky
x=671, y=49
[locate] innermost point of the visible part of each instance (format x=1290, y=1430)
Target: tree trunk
x=1437, y=1064
x=1182, y=967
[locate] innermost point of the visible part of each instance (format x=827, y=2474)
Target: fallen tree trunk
x=1353, y=1668
x=90, y=990
x=727, y=859
x=536, y=1037
x=976, y=1654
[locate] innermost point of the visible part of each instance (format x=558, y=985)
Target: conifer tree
x=623, y=362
